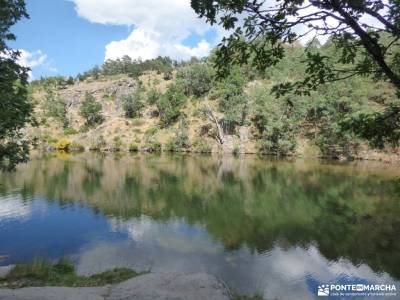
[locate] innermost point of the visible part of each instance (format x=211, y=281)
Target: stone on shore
x=54, y=293
x=5, y=270
x=153, y=286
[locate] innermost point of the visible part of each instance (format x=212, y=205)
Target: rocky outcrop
x=153, y=286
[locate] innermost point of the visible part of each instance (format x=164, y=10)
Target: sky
x=67, y=37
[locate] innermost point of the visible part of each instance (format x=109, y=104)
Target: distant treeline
x=125, y=65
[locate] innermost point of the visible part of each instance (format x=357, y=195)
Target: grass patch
x=137, y=122
x=247, y=297
x=70, y=131
x=42, y=272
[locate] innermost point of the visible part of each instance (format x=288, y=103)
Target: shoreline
x=151, y=286
x=373, y=156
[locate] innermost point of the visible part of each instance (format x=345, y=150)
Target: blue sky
x=66, y=37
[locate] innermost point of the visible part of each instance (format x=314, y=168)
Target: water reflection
x=279, y=227
x=14, y=208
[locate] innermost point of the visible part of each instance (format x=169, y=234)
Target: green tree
x=262, y=31
x=133, y=104
x=233, y=102
x=276, y=23
x=153, y=95
x=55, y=107
x=70, y=80
x=15, y=109
x=196, y=79
x=169, y=105
x=91, y=110
x=277, y=120
x=180, y=141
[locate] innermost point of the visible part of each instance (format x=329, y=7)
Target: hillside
x=182, y=107
x=117, y=132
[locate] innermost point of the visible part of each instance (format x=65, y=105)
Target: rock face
x=153, y=286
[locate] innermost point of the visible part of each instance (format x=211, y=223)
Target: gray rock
x=168, y=286
x=5, y=270
x=153, y=286
x=54, y=293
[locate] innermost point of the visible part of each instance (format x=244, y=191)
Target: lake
x=277, y=227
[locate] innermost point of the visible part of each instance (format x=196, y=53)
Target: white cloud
x=14, y=208
x=148, y=44
x=159, y=27
x=32, y=60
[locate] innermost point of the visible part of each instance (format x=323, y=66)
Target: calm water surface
x=275, y=227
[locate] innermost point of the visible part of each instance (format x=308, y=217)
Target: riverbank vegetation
x=42, y=272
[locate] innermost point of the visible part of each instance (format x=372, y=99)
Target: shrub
x=76, y=147
x=49, y=139
x=196, y=79
x=84, y=128
x=91, y=110
x=152, y=145
x=278, y=138
x=62, y=145
x=134, y=147
x=180, y=141
x=68, y=146
x=117, y=144
x=133, y=104
x=277, y=121
x=168, y=75
x=170, y=104
x=335, y=143
x=137, y=122
x=153, y=96
x=70, y=131
x=150, y=131
x=55, y=107
x=200, y=145
x=233, y=84
x=98, y=143
x=236, y=150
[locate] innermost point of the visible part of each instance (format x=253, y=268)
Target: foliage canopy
x=261, y=32
x=15, y=109
x=91, y=110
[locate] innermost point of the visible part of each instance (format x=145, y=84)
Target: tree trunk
x=220, y=131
